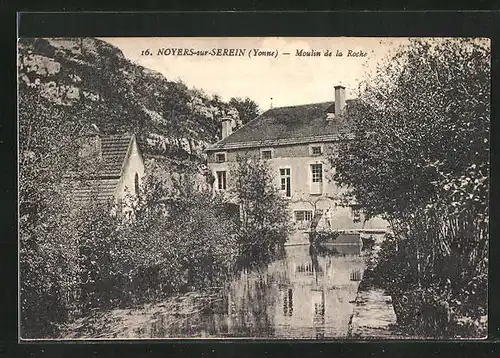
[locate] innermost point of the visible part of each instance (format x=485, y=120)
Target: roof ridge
x=301, y=105
x=288, y=123
x=124, y=135
x=127, y=154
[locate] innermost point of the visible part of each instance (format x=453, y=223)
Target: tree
x=46, y=233
x=247, y=109
x=418, y=154
x=265, y=219
x=180, y=239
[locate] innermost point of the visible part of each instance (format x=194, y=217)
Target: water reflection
x=306, y=294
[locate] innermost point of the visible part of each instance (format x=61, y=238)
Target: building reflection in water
x=288, y=302
x=318, y=301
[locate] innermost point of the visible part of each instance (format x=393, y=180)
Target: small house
x=118, y=172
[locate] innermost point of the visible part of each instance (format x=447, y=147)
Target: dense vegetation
x=180, y=240
x=78, y=258
x=247, y=109
x=265, y=219
x=419, y=156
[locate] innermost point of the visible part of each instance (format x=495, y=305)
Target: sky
x=287, y=79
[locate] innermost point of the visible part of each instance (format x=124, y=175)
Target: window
x=136, y=184
x=221, y=180
x=266, y=154
x=316, y=150
x=286, y=181
x=316, y=179
x=303, y=215
x=317, y=173
x=220, y=157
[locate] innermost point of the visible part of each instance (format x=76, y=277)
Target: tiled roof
x=114, y=149
x=285, y=124
x=102, y=186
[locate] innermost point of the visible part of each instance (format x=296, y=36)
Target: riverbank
x=373, y=315
x=143, y=321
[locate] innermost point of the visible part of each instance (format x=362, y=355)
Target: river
x=304, y=295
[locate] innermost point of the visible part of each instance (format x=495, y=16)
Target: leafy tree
x=179, y=239
x=47, y=242
x=418, y=154
x=247, y=109
x=265, y=219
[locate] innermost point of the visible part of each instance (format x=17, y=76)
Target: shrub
x=437, y=305
x=321, y=237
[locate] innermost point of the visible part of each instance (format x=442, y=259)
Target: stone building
x=296, y=142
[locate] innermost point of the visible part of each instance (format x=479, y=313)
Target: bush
x=179, y=239
x=321, y=237
x=437, y=305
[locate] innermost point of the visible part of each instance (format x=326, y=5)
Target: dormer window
x=266, y=153
x=220, y=157
x=316, y=149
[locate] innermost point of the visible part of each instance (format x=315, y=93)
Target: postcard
x=275, y=188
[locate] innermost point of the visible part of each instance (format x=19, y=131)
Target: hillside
x=92, y=81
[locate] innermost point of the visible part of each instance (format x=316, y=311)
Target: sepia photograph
x=271, y=188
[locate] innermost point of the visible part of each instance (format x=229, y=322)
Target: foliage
x=178, y=239
x=247, y=109
x=98, y=238
x=264, y=219
x=73, y=259
x=198, y=230
x=418, y=154
x=430, y=101
x=368, y=242
x=395, y=271
x=321, y=237
x=46, y=233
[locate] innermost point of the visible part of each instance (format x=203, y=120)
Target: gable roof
x=286, y=125
x=114, y=151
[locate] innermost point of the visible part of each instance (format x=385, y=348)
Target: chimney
x=227, y=127
x=339, y=99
